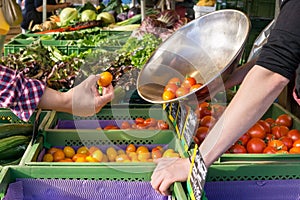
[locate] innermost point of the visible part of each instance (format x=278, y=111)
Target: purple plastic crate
x=65, y=189
x=89, y=124
x=253, y=190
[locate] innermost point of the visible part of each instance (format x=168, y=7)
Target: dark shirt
x=281, y=54
x=33, y=16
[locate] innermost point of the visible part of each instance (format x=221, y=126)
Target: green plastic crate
x=14, y=46
x=115, y=112
x=274, y=111
x=8, y=117
x=245, y=172
x=115, y=138
x=10, y=174
x=26, y=36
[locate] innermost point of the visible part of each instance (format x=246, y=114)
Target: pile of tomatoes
x=141, y=123
x=132, y=153
x=207, y=115
x=176, y=88
x=269, y=136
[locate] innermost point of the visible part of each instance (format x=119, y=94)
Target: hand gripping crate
x=74, y=183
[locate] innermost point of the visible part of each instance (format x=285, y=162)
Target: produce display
x=141, y=124
x=270, y=136
x=131, y=153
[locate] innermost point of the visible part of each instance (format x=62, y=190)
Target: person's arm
x=257, y=92
x=255, y=95
x=23, y=95
x=82, y=100
x=51, y=8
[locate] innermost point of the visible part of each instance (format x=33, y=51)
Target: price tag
x=173, y=112
x=181, y=117
x=197, y=176
x=189, y=129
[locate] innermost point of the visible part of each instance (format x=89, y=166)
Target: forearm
x=50, y=8
x=252, y=100
x=55, y=100
x=239, y=74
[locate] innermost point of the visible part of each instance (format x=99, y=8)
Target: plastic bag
x=12, y=12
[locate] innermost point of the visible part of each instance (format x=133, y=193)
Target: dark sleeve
x=281, y=54
x=38, y=3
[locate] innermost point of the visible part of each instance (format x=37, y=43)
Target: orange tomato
x=168, y=95
x=82, y=150
x=171, y=87
x=58, y=155
x=48, y=157
x=105, y=79
x=77, y=156
x=195, y=87
x=69, y=151
x=130, y=148
x=142, y=149
x=52, y=150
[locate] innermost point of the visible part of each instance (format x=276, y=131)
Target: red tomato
x=150, y=122
x=168, y=95
x=201, y=133
x=175, y=81
x=256, y=145
x=257, y=131
x=125, y=125
x=139, y=120
x=294, y=134
x=237, y=148
x=288, y=142
x=181, y=92
x=270, y=150
x=208, y=121
x=161, y=124
x=188, y=82
x=294, y=150
x=284, y=120
x=270, y=121
x=244, y=139
x=277, y=144
x=279, y=131
x=266, y=125
x=171, y=87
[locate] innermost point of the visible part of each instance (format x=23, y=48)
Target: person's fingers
x=156, y=180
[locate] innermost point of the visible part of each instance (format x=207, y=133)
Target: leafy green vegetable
x=67, y=15
x=140, y=50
